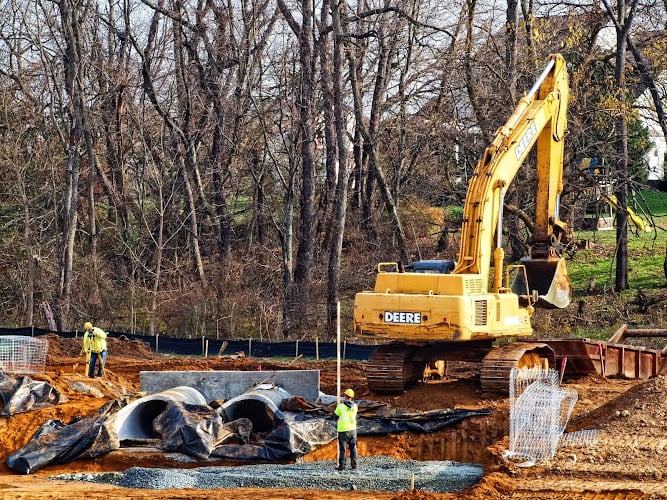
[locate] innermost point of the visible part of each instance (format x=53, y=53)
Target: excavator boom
x=539, y=119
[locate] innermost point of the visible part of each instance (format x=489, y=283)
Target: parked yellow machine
x=440, y=310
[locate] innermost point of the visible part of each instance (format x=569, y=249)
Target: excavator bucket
x=549, y=278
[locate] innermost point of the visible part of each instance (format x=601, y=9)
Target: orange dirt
x=626, y=462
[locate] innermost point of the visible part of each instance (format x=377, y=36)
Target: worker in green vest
x=347, y=429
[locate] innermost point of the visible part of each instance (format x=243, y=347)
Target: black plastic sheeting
x=288, y=440
x=58, y=443
x=23, y=394
x=431, y=421
x=375, y=417
x=200, y=432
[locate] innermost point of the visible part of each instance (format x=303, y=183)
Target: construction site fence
x=204, y=346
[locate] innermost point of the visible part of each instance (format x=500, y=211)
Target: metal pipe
x=499, y=231
x=135, y=421
x=260, y=406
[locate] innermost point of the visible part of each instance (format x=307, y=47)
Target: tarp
x=375, y=417
x=289, y=440
x=23, y=394
x=57, y=443
x=197, y=430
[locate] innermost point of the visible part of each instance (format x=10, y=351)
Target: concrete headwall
x=224, y=385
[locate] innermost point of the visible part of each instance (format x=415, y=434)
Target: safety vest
x=98, y=343
x=347, y=417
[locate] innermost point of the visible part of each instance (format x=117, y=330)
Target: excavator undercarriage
x=394, y=367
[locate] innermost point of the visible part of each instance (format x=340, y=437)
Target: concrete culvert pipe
x=135, y=421
x=260, y=406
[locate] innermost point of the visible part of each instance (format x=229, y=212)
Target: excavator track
x=390, y=370
x=498, y=363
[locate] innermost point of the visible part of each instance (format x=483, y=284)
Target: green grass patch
x=656, y=201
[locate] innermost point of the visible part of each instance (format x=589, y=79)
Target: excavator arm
x=540, y=119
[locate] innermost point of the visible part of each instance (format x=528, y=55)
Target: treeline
x=237, y=168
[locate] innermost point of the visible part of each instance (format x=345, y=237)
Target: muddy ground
x=627, y=461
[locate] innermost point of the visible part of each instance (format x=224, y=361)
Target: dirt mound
x=60, y=347
x=644, y=405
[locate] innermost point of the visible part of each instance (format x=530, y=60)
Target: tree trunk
x=72, y=67
x=194, y=225
x=470, y=77
x=29, y=253
x=299, y=296
x=287, y=248
x=623, y=23
x=375, y=172
x=650, y=83
x=159, y=249
x=511, y=22
x=326, y=202
x=528, y=17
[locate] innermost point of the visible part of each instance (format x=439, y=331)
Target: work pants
x=349, y=439
x=94, y=358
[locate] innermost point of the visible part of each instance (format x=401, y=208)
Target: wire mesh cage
x=21, y=354
x=539, y=412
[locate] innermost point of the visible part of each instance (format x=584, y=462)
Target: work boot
x=340, y=467
x=354, y=466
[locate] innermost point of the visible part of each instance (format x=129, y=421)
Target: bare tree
x=368, y=129
x=623, y=19
x=342, y=170
x=297, y=293
x=72, y=17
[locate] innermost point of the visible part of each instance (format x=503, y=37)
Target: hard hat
x=87, y=325
x=349, y=393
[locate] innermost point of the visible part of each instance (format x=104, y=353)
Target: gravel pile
x=374, y=474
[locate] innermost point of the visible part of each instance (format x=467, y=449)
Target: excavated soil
x=626, y=462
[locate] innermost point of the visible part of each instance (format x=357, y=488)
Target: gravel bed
x=374, y=474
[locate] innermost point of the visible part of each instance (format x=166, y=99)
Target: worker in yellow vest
x=95, y=341
x=347, y=429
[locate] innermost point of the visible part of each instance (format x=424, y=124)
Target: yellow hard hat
x=87, y=325
x=349, y=393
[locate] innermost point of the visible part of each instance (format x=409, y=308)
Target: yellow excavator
x=446, y=310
